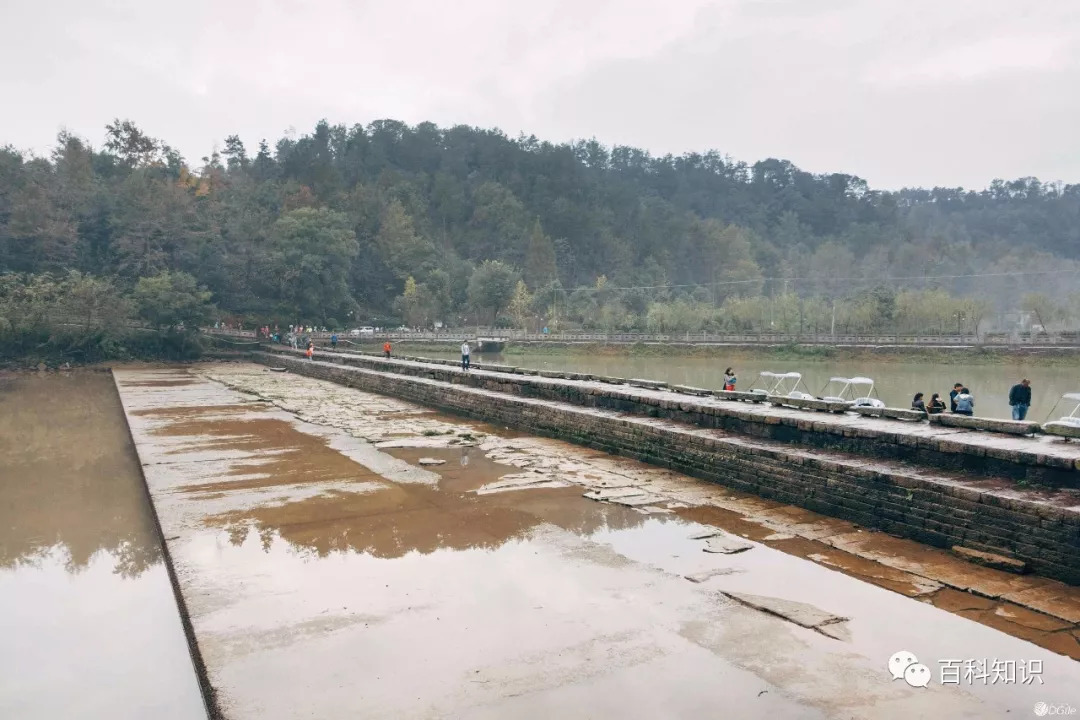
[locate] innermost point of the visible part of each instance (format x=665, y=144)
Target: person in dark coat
x=1020, y=399
x=936, y=405
x=917, y=402
x=956, y=388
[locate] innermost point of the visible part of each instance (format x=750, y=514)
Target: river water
x=896, y=382
x=88, y=618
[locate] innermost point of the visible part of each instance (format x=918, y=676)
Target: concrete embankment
x=944, y=487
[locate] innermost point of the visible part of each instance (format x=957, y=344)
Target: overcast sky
x=900, y=92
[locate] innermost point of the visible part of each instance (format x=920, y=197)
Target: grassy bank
x=939, y=356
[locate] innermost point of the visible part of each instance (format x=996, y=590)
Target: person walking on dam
x=729, y=379
x=386, y=348
x=965, y=403
x=1020, y=399
x=465, y=355
x=310, y=350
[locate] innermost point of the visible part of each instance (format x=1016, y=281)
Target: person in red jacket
x=386, y=348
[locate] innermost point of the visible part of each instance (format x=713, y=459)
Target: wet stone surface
x=328, y=573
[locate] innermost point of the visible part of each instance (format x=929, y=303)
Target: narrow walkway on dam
x=345, y=554
x=1045, y=450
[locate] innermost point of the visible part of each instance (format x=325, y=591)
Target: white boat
x=781, y=385
x=1068, y=425
x=851, y=391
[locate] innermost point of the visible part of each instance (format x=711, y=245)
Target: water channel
x=87, y=612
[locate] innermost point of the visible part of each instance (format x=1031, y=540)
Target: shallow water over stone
x=482, y=584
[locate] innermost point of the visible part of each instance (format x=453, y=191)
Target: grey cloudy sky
x=900, y=92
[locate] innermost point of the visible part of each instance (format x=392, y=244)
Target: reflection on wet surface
x=389, y=522
x=87, y=613
x=282, y=455
x=356, y=556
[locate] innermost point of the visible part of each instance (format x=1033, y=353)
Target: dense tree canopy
x=391, y=223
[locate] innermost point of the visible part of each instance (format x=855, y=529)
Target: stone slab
x=903, y=414
x=806, y=404
x=802, y=614
x=691, y=390
x=740, y=395
x=726, y=545
x=431, y=461
x=704, y=575
x=1061, y=429
x=1008, y=427
x=998, y=562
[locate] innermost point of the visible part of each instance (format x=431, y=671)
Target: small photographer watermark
x=1042, y=709
x=970, y=671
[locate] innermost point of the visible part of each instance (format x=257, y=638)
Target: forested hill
x=331, y=225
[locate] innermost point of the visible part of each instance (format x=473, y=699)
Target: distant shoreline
x=1066, y=356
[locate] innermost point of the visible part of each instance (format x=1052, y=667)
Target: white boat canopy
x=1073, y=418
x=848, y=393
x=786, y=384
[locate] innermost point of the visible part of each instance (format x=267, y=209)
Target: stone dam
x=357, y=536
x=1010, y=501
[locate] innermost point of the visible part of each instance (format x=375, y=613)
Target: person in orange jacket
x=386, y=348
x=310, y=350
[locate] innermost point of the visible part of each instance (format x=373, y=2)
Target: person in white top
x=465, y=355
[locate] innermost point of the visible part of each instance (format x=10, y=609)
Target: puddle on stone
x=87, y=614
x=400, y=519
x=281, y=455
x=462, y=468
x=384, y=519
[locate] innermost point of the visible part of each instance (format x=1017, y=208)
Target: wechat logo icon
x=905, y=665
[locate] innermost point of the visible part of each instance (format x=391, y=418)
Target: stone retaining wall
x=927, y=506
x=1026, y=460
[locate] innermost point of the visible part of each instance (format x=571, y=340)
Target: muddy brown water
x=896, y=382
x=396, y=520
x=88, y=618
